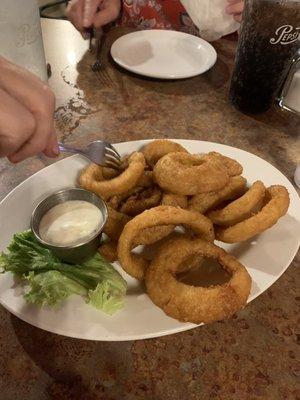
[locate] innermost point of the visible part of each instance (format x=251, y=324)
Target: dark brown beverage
x=268, y=41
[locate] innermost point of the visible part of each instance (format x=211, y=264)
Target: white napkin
x=210, y=18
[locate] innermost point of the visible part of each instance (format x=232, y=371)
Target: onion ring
x=155, y=150
x=241, y=208
x=109, y=173
x=141, y=201
x=189, y=174
x=206, y=201
x=114, y=202
x=174, y=200
x=92, y=179
x=145, y=181
x=196, y=304
x=136, y=265
x=152, y=235
x=108, y=250
x=115, y=223
x=276, y=206
x=233, y=167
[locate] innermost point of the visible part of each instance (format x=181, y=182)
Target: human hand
x=92, y=13
x=26, y=114
x=235, y=8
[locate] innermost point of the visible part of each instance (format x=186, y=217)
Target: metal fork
x=98, y=66
x=99, y=152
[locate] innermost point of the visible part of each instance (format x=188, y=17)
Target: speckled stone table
x=255, y=355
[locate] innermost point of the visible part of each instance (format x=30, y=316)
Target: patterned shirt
x=157, y=14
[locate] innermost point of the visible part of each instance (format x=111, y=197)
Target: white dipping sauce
x=70, y=222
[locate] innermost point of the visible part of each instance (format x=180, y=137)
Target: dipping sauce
x=70, y=223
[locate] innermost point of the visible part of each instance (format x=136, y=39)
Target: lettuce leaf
x=51, y=287
x=51, y=281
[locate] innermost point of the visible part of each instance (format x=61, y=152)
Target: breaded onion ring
x=233, y=167
x=175, y=200
x=155, y=150
x=146, y=180
x=114, y=202
x=115, y=223
x=135, y=265
x=189, y=174
x=141, y=201
x=90, y=178
x=241, y=208
x=108, y=250
x=109, y=173
x=152, y=235
x=206, y=201
x=275, y=208
x=196, y=304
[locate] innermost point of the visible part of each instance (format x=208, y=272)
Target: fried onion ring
x=276, y=206
x=146, y=180
x=135, y=265
x=141, y=201
x=155, y=150
x=108, y=249
x=241, y=208
x=196, y=304
x=152, y=235
x=115, y=223
x=109, y=173
x=114, y=202
x=189, y=174
x=206, y=201
x=92, y=178
x=175, y=200
x=233, y=167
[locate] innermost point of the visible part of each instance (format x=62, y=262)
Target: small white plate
x=266, y=257
x=163, y=54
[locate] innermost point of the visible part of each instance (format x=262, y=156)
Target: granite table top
x=254, y=355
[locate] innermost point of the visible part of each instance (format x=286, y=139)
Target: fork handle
x=68, y=149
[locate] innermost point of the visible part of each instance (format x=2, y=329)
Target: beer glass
x=267, y=55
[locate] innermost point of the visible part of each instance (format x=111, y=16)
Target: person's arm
x=26, y=114
x=85, y=14
x=235, y=8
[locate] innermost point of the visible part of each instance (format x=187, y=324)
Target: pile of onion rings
x=161, y=187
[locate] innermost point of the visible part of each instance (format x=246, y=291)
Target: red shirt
x=157, y=14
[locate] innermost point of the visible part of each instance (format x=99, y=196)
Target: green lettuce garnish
x=51, y=281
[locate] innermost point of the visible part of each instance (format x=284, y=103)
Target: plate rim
x=162, y=76
x=187, y=326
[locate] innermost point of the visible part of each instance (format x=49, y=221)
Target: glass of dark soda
x=267, y=54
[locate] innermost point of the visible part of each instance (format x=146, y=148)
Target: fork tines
x=112, y=149
x=112, y=158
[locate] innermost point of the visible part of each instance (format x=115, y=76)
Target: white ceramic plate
x=163, y=54
x=266, y=257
